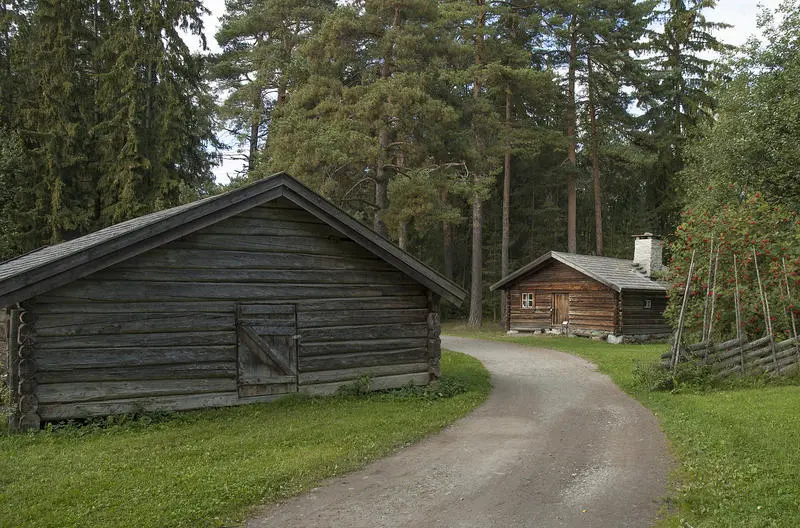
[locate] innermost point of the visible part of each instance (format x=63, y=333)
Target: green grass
x=205, y=468
x=738, y=449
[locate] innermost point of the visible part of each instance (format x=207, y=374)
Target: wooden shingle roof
x=617, y=274
x=50, y=267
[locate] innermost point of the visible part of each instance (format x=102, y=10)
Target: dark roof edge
x=72, y=266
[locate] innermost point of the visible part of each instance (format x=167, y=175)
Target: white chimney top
x=647, y=253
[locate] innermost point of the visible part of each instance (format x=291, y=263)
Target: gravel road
x=555, y=444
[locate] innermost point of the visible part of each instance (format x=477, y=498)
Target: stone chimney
x=647, y=253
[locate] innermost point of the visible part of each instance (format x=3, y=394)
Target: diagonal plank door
x=267, y=349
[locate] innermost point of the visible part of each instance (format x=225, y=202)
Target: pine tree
x=678, y=97
x=258, y=66
x=369, y=110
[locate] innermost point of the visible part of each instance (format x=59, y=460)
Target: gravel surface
x=555, y=444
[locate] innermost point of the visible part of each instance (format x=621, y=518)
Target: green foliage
x=358, y=387
x=753, y=230
x=206, y=468
x=107, y=113
x=753, y=141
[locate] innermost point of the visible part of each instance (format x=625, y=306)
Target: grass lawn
x=205, y=468
x=738, y=449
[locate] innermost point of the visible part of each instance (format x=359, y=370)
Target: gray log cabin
x=238, y=298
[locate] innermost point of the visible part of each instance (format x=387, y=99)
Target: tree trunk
x=476, y=287
x=255, y=126
x=382, y=176
x=598, y=204
x=506, y=208
x=402, y=236
x=447, y=243
x=572, y=117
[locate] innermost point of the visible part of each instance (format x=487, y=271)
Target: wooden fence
x=763, y=355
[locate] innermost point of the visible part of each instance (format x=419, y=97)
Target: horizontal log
x=51, y=305
x=240, y=224
x=112, y=390
x=193, y=291
x=171, y=339
x=314, y=319
x=361, y=360
x=378, y=383
x=190, y=273
x=103, y=324
x=270, y=327
x=329, y=376
x=381, y=331
x=273, y=211
x=60, y=359
x=359, y=346
x=279, y=311
x=217, y=369
x=309, y=245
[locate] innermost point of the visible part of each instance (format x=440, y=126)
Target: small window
x=648, y=303
x=527, y=300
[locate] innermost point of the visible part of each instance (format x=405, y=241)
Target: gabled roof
x=50, y=267
x=617, y=274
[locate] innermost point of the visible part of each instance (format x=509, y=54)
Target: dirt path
x=556, y=444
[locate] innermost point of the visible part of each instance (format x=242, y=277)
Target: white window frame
x=528, y=300
x=648, y=304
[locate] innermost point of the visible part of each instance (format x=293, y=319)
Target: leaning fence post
x=767, y=317
x=738, y=303
x=791, y=313
x=679, y=332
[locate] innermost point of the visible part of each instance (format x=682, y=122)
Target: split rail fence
x=737, y=356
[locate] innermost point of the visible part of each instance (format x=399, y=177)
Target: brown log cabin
x=589, y=294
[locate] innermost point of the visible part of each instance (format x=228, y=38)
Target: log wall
x=592, y=305
x=637, y=319
x=158, y=332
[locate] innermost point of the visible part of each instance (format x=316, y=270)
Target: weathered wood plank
x=298, y=244
x=380, y=331
x=266, y=353
x=362, y=360
x=275, y=227
x=108, y=390
x=193, y=291
x=192, y=274
x=356, y=346
x=52, y=305
x=216, y=259
x=62, y=411
x=329, y=376
x=218, y=369
x=378, y=383
x=315, y=318
x=174, y=339
x=272, y=310
x=102, y=324
x=60, y=359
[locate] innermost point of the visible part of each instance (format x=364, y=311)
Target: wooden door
x=560, y=308
x=267, y=349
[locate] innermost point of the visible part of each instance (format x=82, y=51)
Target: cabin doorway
x=266, y=339
x=560, y=309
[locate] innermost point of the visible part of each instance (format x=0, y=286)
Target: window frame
x=530, y=297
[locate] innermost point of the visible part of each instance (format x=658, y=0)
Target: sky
x=740, y=14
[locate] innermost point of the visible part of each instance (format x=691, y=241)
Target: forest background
x=476, y=134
